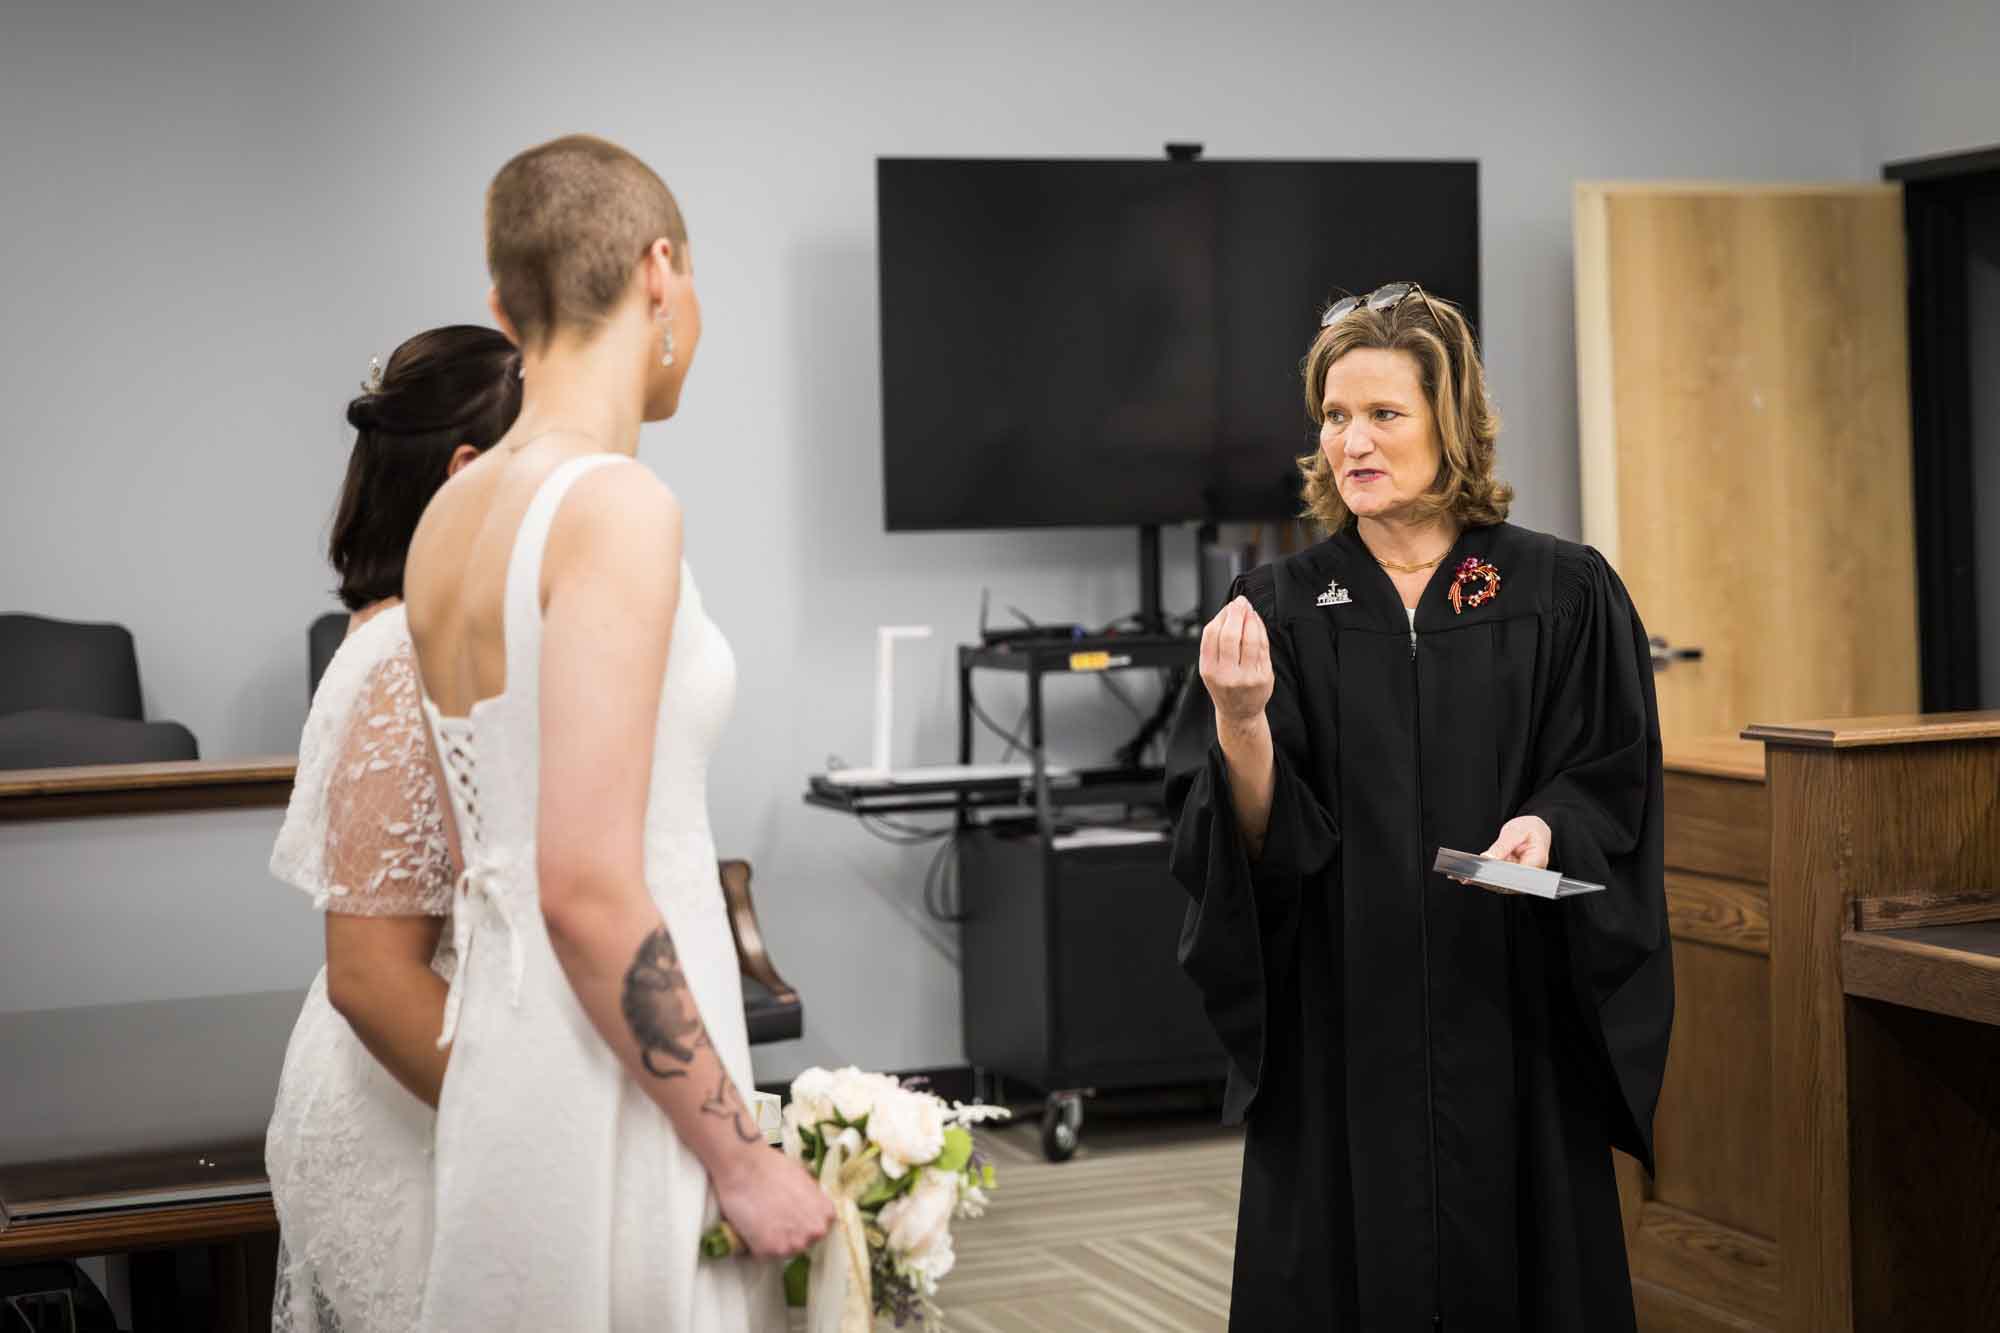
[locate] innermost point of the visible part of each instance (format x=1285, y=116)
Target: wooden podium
x=1829, y=1132
x=1885, y=1020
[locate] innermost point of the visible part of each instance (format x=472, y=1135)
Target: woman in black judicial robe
x=1432, y=1074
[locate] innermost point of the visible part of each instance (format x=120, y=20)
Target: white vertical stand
x=885, y=701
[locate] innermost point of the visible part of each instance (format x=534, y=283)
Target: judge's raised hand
x=1523, y=840
x=1236, y=663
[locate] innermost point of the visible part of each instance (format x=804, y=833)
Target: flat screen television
x=1118, y=342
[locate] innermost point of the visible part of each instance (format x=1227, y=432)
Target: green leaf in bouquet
x=798, y=1277
x=957, y=1149
x=885, y=1189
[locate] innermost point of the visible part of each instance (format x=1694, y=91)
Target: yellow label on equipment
x=1089, y=661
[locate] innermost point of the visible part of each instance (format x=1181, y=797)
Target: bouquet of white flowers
x=899, y=1165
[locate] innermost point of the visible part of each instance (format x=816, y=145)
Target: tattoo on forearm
x=660, y=1011
x=726, y=1105
x=659, y=1008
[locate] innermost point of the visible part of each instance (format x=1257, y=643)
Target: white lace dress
x=565, y=1200
x=349, y=1149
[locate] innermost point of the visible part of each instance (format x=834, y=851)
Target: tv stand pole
x=1152, y=619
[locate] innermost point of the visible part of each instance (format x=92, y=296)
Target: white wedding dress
x=565, y=1200
x=348, y=1150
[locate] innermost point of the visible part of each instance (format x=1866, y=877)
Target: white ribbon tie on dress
x=481, y=888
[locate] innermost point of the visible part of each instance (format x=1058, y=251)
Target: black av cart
x=1069, y=928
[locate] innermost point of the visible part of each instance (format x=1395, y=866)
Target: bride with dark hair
x=367, y=835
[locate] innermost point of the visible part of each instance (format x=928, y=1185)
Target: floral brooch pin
x=1473, y=583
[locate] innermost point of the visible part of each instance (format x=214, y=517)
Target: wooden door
x=1745, y=431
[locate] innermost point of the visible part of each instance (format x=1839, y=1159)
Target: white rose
x=932, y=1267
x=854, y=1093
x=919, y=1222
x=909, y=1128
x=812, y=1095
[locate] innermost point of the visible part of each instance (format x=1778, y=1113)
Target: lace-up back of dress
x=455, y=753
x=490, y=755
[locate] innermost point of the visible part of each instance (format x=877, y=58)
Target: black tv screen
x=1098, y=343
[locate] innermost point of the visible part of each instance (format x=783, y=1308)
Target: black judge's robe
x=1433, y=1075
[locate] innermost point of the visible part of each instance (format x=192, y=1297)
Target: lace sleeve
x=387, y=849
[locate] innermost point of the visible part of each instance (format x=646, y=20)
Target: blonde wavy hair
x=1438, y=335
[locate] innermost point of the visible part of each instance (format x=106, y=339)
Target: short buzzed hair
x=566, y=223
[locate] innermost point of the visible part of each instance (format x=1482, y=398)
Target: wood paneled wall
x=1700, y=1236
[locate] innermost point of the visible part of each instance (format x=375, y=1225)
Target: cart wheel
x=1062, y=1126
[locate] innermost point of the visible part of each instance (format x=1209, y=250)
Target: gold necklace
x=1411, y=569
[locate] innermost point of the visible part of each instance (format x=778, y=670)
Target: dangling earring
x=665, y=319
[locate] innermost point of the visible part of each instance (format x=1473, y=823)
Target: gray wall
x=1924, y=75
x=215, y=214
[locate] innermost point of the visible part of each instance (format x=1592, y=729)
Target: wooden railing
x=131, y=789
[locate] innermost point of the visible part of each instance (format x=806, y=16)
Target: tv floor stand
x=1152, y=617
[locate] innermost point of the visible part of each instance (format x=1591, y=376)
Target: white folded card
x=770, y=1111
x=1491, y=874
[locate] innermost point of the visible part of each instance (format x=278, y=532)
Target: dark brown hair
x=1454, y=383
x=566, y=223
x=460, y=384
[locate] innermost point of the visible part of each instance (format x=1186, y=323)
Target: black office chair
x=58, y=738
x=68, y=665
x=69, y=694
x=322, y=642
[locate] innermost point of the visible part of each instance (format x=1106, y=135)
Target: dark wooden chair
x=770, y=1004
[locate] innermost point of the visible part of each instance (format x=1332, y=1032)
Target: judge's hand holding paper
x=1517, y=862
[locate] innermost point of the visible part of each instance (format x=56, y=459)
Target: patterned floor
x=1135, y=1234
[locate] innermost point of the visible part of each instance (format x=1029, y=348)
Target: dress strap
x=522, y=610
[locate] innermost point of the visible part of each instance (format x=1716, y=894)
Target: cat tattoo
x=659, y=1009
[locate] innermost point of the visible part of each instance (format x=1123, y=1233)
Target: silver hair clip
x=373, y=384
